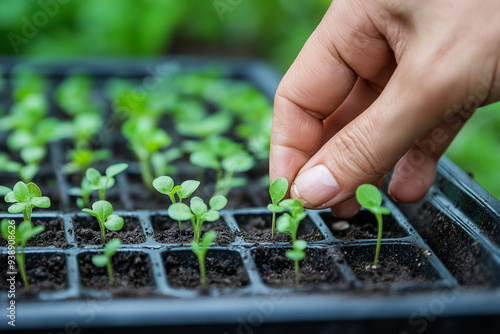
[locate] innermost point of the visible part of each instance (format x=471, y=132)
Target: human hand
x=379, y=84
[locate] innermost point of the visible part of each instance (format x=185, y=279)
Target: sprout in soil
x=201, y=252
x=289, y=221
x=369, y=197
x=102, y=260
x=198, y=212
x=25, y=197
x=277, y=190
x=297, y=254
x=102, y=183
x=165, y=185
x=103, y=211
x=20, y=235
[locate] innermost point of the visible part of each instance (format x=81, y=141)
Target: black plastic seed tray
x=445, y=250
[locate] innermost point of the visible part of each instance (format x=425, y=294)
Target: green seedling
x=102, y=183
x=225, y=157
x=201, y=252
x=25, y=197
x=198, y=212
x=289, y=221
x=277, y=191
x=103, y=211
x=81, y=159
x=19, y=236
x=84, y=192
x=165, y=185
x=369, y=197
x=297, y=254
x=104, y=260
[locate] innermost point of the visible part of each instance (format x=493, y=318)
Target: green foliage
x=289, y=221
x=25, y=197
x=224, y=156
x=201, y=252
x=369, y=197
x=81, y=159
x=104, y=260
x=103, y=211
x=277, y=191
x=198, y=212
x=297, y=254
x=102, y=183
x=165, y=185
x=19, y=236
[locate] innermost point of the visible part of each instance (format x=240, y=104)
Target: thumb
x=368, y=147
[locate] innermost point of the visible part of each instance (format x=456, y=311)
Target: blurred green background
x=274, y=30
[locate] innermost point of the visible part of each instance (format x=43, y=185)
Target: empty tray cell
x=317, y=269
x=88, y=232
x=52, y=236
x=224, y=269
x=46, y=272
x=363, y=226
x=257, y=228
x=167, y=230
x=483, y=218
x=465, y=258
x=398, y=263
x=132, y=273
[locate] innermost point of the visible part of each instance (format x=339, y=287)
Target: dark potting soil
x=317, y=269
x=257, y=228
x=88, y=232
x=167, y=231
x=52, y=236
x=131, y=271
x=362, y=226
x=398, y=263
x=45, y=271
x=456, y=249
x=224, y=269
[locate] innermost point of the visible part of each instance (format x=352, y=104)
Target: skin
x=382, y=84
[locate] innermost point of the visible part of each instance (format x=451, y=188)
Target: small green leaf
x=89, y=211
x=4, y=227
x=208, y=238
x=21, y=192
x=204, y=160
x=34, y=190
x=300, y=244
x=195, y=247
x=35, y=231
x=4, y=190
x=33, y=154
x=41, y=202
x=163, y=184
x=24, y=229
x=368, y=196
x=16, y=208
x=284, y=223
x=278, y=189
x=93, y=176
x=292, y=204
x=179, y=211
x=188, y=188
x=114, y=223
x=218, y=202
x=111, y=247
x=28, y=172
x=99, y=260
x=10, y=197
x=211, y=216
x=116, y=169
x=295, y=255
x=102, y=209
x=198, y=207
x=275, y=208
x=239, y=162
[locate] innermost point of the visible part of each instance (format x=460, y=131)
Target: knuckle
x=356, y=156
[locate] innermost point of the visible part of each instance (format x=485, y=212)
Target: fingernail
x=315, y=186
x=389, y=192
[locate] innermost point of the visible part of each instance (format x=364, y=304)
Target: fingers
x=415, y=173
x=317, y=83
x=367, y=148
